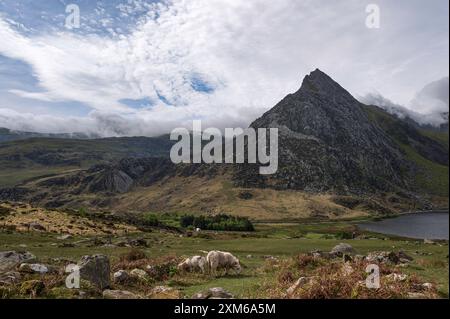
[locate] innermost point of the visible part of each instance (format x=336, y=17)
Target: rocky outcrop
x=11, y=259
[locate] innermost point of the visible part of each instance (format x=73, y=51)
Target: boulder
x=96, y=270
x=119, y=294
x=388, y=257
x=341, y=249
x=138, y=243
x=9, y=278
x=121, y=277
x=36, y=226
x=164, y=292
x=139, y=274
x=213, y=293
x=33, y=268
x=10, y=259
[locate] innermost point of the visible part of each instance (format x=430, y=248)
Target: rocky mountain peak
x=318, y=82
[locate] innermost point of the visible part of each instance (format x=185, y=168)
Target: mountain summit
x=329, y=142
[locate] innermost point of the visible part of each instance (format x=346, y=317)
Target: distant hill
x=13, y=135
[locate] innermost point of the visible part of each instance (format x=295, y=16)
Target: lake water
x=429, y=225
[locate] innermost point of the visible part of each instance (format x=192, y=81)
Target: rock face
x=10, y=259
x=327, y=142
x=95, y=269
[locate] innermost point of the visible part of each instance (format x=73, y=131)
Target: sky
x=136, y=67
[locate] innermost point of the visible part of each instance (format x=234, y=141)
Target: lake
x=427, y=225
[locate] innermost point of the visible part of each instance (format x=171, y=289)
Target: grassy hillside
x=25, y=159
x=427, y=149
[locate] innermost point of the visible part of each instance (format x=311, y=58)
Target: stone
x=427, y=285
x=64, y=237
x=96, y=270
x=397, y=277
x=213, y=293
x=139, y=274
x=33, y=268
x=9, y=278
x=121, y=277
x=428, y=242
x=417, y=295
x=11, y=259
x=164, y=292
x=138, y=243
x=119, y=294
x=383, y=257
x=341, y=249
x=36, y=226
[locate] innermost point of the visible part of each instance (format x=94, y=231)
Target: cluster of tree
x=217, y=222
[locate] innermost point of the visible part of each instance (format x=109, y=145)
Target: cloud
x=433, y=98
x=429, y=107
x=223, y=61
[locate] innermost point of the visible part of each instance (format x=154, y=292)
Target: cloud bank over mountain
x=430, y=105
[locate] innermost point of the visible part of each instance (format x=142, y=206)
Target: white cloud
x=252, y=52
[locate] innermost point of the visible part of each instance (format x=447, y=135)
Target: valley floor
x=273, y=258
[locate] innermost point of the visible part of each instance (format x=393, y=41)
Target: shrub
x=151, y=220
x=217, y=222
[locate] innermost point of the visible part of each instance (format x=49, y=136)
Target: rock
x=121, y=276
x=301, y=282
x=36, y=226
x=64, y=237
x=213, y=293
x=138, y=243
x=427, y=285
x=383, y=257
x=397, y=277
x=403, y=256
x=164, y=292
x=249, y=257
x=96, y=270
x=9, y=278
x=139, y=274
x=428, y=242
x=417, y=295
x=341, y=249
x=33, y=268
x=10, y=259
x=32, y=287
x=389, y=257
x=119, y=294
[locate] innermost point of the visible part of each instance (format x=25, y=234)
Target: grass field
x=281, y=241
